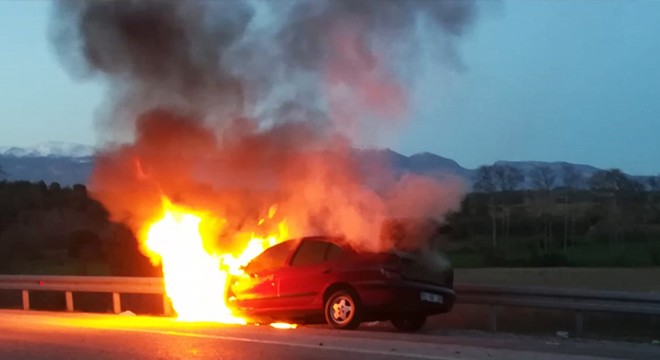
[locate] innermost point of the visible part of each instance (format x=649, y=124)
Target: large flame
x=194, y=271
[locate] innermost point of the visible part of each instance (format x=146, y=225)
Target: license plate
x=434, y=298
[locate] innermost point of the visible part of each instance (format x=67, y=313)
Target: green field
x=622, y=279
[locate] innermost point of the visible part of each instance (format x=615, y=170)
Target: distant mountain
x=61, y=169
x=526, y=166
x=49, y=149
x=421, y=163
x=586, y=171
x=60, y=162
x=70, y=164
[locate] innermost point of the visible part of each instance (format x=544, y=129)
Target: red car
x=316, y=278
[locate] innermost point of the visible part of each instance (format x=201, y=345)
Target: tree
x=55, y=187
x=85, y=246
x=507, y=177
x=651, y=207
x=502, y=179
x=613, y=180
x=543, y=178
x=620, y=206
x=653, y=183
x=498, y=180
x=2, y=172
x=571, y=179
x=493, y=178
x=485, y=181
x=652, y=203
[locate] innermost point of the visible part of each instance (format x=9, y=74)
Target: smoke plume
x=232, y=106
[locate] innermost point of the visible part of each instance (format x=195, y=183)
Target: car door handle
x=327, y=271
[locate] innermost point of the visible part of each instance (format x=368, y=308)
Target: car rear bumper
x=400, y=296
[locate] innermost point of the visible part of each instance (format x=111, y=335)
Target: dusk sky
x=549, y=80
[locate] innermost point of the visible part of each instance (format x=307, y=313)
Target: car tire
x=409, y=322
x=343, y=310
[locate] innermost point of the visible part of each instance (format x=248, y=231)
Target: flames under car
x=316, y=279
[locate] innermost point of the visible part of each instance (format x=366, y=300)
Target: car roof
x=337, y=240
x=326, y=238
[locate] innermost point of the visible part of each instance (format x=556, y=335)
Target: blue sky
x=543, y=80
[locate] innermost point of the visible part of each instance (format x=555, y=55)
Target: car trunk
x=426, y=267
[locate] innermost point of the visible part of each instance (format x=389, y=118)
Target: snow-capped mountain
x=70, y=164
x=60, y=162
x=49, y=149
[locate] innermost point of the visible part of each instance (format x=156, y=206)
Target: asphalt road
x=44, y=335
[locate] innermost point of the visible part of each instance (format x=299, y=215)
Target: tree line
x=546, y=213
x=46, y=228
x=544, y=216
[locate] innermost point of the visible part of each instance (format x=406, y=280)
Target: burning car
x=312, y=279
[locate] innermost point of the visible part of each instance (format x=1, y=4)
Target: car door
x=257, y=289
x=311, y=268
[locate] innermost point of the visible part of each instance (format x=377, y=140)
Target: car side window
x=273, y=258
x=310, y=252
x=333, y=252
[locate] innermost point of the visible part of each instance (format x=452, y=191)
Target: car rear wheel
x=409, y=322
x=343, y=310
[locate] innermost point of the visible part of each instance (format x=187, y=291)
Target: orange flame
x=195, y=275
x=285, y=326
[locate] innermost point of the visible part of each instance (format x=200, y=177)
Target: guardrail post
x=493, y=318
x=68, y=296
x=579, y=323
x=26, y=299
x=116, y=303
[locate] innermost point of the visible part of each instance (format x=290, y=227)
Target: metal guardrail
x=97, y=284
x=496, y=297
x=577, y=300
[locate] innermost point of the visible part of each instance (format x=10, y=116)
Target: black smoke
x=221, y=59
x=236, y=105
